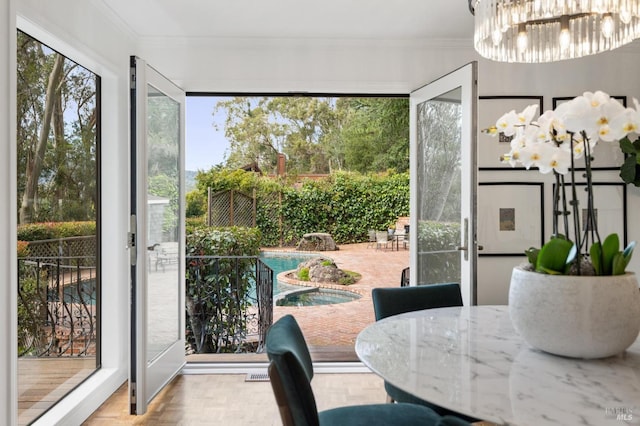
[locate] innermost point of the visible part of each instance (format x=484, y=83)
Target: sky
x=205, y=146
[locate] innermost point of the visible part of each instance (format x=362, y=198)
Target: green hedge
x=218, y=290
x=444, y=265
x=52, y=230
x=344, y=204
x=231, y=241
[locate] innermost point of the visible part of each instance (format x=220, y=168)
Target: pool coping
x=311, y=285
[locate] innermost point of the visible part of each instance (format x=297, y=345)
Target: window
x=58, y=128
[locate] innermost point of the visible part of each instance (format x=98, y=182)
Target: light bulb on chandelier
x=552, y=30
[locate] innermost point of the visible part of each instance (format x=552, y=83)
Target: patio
x=339, y=324
x=331, y=330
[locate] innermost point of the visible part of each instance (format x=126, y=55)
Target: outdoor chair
x=405, y=277
x=291, y=371
x=405, y=240
x=382, y=239
x=372, y=238
x=399, y=300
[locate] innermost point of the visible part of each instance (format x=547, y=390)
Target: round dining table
x=472, y=361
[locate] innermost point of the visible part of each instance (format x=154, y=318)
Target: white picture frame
x=510, y=217
x=490, y=109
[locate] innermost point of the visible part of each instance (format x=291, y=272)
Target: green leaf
x=628, y=169
x=627, y=147
x=619, y=264
x=553, y=255
x=549, y=271
x=532, y=255
x=610, y=247
x=628, y=251
x=572, y=254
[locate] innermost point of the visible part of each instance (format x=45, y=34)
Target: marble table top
x=471, y=360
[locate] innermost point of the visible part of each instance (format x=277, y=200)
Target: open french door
x=443, y=181
x=156, y=240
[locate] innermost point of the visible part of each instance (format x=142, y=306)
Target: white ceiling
x=295, y=19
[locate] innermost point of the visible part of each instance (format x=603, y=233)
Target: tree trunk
x=31, y=188
x=61, y=185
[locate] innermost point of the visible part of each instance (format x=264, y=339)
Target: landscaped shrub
x=193, y=223
x=218, y=288
x=438, y=255
x=303, y=274
x=344, y=204
x=52, y=230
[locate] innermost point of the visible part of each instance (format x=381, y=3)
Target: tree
x=258, y=129
x=253, y=135
x=56, y=133
x=375, y=134
x=439, y=170
x=34, y=168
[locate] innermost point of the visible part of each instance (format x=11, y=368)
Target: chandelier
x=552, y=30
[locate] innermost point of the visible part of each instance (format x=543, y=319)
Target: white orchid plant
x=560, y=141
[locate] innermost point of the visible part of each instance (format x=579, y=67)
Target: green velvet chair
x=291, y=371
x=399, y=300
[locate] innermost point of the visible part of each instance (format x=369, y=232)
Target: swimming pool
x=317, y=296
x=285, y=294
x=280, y=262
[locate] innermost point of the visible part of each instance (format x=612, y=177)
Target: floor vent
x=257, y=377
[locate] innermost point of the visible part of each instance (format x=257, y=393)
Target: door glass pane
x=163, y=153
x=58, y=228
x=439, y=129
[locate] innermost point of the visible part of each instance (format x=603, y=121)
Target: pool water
x=280, y=262
x=321, y=296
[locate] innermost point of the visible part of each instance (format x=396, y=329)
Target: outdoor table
x=395, y=239
x=471, y=360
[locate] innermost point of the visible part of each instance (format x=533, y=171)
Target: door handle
x=465, y=239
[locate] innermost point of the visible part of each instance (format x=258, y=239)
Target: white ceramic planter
x=579, y=317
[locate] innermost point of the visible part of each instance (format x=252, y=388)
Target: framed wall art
x=610, y=203
x=510, y=217
x=490, y=108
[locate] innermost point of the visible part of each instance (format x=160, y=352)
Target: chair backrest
x=398, y=300
x=291, y=372
x=372, y=235
x=405, y=277
x=382, y=236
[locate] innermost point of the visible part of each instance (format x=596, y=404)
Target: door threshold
x=261, y=367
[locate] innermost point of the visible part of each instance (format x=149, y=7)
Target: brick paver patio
x=339, y=324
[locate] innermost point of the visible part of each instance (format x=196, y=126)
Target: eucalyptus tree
x=258, y=129
x=56, y=135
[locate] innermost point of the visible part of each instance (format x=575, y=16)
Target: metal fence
x=229, y=303
x=57, y=306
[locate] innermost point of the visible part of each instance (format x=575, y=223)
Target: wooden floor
x=44, y=381
x=228, y=400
